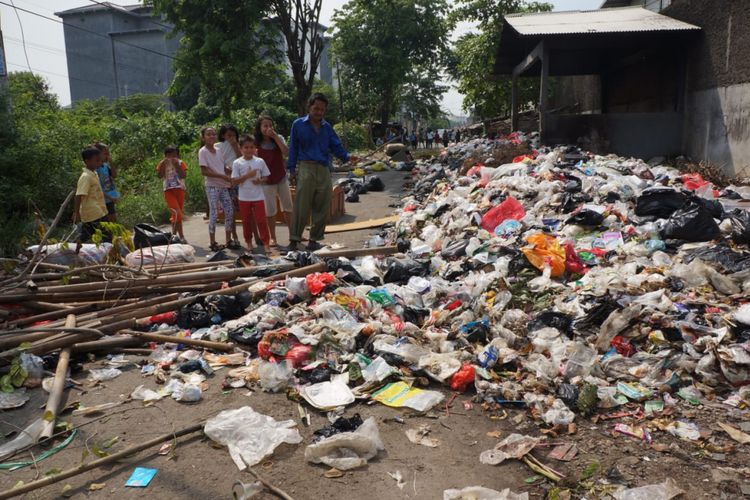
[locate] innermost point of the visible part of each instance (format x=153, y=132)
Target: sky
x=45, y=43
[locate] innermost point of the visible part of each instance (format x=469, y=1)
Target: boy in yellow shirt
x=90, y=208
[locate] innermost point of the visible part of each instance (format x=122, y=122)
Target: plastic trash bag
x=659, y=202
x=103, y=374
x=167, y=254
x=317, y=282
x=65, y=255
x=146, y=235
x=514, y=446
x=401, y=270
x=545, y=250
x=193, y=316
x=740, y=220
x=587, y=218
x=347, y=450
x=341, y=424
x=249, y=435
x=344, y=270
x=693, y=222
x=327, y=395
x=508, y=209
x=374, y=183
x=482, y=493
x=275, y=377
x=662, y=491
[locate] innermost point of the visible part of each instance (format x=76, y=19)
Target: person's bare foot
x=267, y=249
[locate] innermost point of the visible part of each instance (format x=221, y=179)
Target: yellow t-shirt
x=92, y=204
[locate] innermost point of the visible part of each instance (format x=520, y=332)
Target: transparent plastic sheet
x=662, y=491
x=249, y=435
x=347, y=450
x=275, y=377
x=482, y=493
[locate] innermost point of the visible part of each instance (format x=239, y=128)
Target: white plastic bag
x=663, y=491
x=249, y=435
x=164, y=254
x=103, y=374
x=482, y=493
x=347, y=450
x=327, y=395
x=275, y=377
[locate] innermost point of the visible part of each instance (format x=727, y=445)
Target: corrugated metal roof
x=617, y=20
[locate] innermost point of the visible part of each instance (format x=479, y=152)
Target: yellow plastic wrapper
x=358, y=172
x=378, y=167
x=545, y=250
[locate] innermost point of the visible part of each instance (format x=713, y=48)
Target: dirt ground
x=201, y=470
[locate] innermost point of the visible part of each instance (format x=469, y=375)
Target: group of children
x=244, y=173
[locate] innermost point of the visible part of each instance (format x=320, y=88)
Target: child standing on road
x=272, y=149
x=250, y=173
x=107, y=173
x=217, y=184
x=90, y=208
x=172, y=171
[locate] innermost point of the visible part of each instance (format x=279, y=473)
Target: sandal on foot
x=215, y=247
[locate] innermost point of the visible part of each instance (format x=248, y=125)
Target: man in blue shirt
x=311, y=142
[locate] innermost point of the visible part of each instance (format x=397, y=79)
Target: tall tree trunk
x=302, y=95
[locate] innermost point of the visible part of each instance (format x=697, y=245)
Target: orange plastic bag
x=545, y=250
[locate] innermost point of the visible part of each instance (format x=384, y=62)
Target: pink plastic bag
x=509, y=209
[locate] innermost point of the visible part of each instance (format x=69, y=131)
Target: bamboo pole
x=358, y=252
x=155, y=337
x=50, y=315
x=58, y=385
x=52, y=479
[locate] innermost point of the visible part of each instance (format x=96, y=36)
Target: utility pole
x=341, y=106
x=4, y=74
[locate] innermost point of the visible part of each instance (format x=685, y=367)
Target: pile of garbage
x=562, y=283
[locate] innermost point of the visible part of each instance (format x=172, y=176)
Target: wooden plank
x=365, y=224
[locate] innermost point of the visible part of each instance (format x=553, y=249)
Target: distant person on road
x=458, y=135
x=90, y=208
x=172, y=171
x=230, y=151
x=446, y=138
x=272, y=149
x=311, y=142
x=430, y=136
x=217, y=184
x=249, y=174
x=413, y=140
x=107, y=174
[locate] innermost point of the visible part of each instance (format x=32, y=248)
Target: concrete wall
x=716, y=127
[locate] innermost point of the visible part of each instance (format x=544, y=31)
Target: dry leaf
x=333, y=473
x=97, y=486
x=494, y=434
x=735, y=433
x=419, y=436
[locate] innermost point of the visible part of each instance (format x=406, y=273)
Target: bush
x=356, y=137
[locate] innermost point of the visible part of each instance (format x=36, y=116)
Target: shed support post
x=514, y=104
x=543, y=90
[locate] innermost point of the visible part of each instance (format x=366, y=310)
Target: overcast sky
x=45, y=44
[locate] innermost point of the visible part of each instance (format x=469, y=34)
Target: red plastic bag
x=573, y=263
x=298, y=354
x=693, y=181
x=623, y=346
x=520, y=158
x=508, y=209
x=462, y=378
x=317, y=282
x=474, y=171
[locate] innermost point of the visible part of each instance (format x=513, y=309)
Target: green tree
x=380, y=43
x=299, y=23
x=227, y=45
x=474, y=57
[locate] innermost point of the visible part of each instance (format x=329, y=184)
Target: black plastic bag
x=659, y=202
x=568, y=393
x=248, y=337
x=454, y=249
x=314, y=376
x=400, y=270
x=740, y=220
x=344, y=271
x=374, y=183
x=146, y=235
x=588, y=218
x=693, y=222
x=573, y=184
x=560, y=321
x=228, y=306
x=193, y=316
x=730, y=260
x=352, y=197
x=302, y=258
x=403, y=245
x=341, y=424
x=596, y=315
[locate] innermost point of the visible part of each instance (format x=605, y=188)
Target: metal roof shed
x=618, y=44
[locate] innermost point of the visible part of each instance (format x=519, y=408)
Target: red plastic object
x=298, y=354
x=169, y=318
x=573, y=263
x=508, y=209
x=454, y=305
x=462, y=378
x=623, y=346
x=475, y=170
x=520, y=158
x=317, y=282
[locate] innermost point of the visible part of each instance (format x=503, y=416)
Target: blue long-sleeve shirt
x=307, y=144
